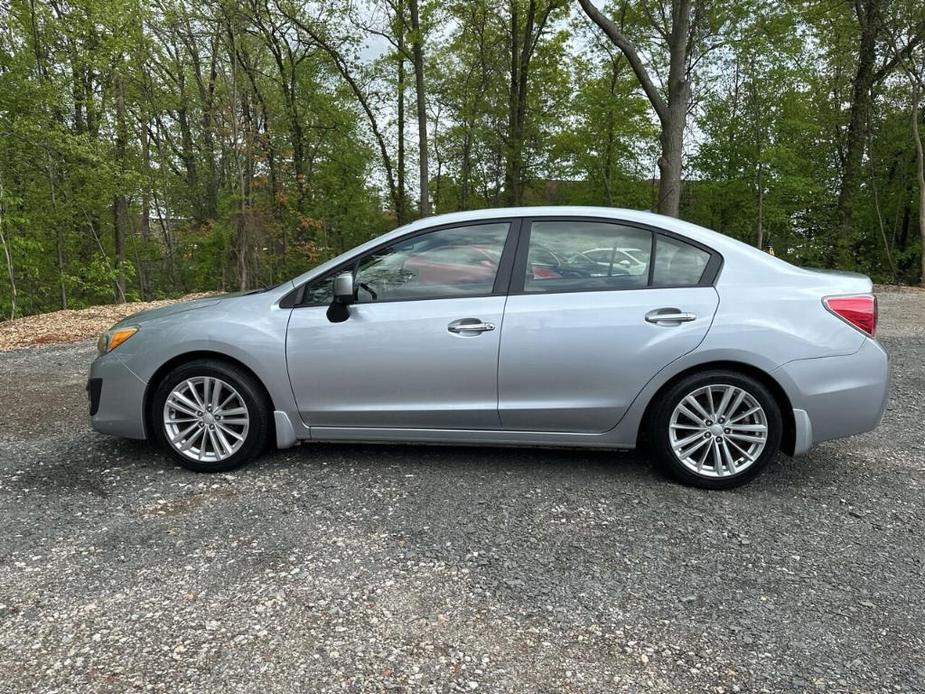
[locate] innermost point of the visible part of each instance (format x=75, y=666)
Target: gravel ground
x=439, y=569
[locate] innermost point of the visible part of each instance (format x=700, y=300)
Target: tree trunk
x=145, y=229
x=512, y=171
x=670, y=160
x=868, y=13
x=672, y=114
x=8, y=256
x=417, y=53
x=679, y=96
x=760, y=243
x=400, y=215
x=920, y=173
x=523, y=45
x=120, y=202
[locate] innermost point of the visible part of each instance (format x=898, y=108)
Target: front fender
x=249, y=332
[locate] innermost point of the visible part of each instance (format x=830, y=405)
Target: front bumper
x=116, y=398
x=834, y=397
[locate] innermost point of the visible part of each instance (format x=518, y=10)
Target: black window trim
x=296, y=298
x=518, y=277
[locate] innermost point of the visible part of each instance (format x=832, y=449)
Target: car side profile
x=512, y=327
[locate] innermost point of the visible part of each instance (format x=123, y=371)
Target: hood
x=171, y=309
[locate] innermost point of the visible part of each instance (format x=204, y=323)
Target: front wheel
x=210, y=416
x=715, y=430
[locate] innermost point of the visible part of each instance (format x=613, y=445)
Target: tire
x=232, y=436
x=743, y=449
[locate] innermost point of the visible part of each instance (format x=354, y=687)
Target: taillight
x=859, y=311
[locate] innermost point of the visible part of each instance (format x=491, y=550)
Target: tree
x=679, y=34
x=871, y=70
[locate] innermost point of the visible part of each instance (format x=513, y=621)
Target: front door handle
x=469, y=325
x=662, y=316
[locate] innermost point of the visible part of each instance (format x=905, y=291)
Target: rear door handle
x=469, y=325
x=661, y=316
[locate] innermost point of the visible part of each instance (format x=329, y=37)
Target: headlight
x=112, y=338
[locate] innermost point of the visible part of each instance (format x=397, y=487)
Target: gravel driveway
x=440, y=569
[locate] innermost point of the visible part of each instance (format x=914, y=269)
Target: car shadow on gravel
x=92, y=459
x=463, y=460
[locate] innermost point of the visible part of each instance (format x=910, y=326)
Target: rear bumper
x=116, y=398
x=834, y=397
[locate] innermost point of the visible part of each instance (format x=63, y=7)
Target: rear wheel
x=715, y=430
x=210, y=416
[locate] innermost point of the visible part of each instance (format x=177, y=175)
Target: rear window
x=580, y=256
x=678, y=264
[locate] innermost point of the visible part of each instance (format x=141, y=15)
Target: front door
x=420, y=348
x=592, y=317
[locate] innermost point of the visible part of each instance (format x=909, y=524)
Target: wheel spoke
x=745, y=414
x=182, y=435
x=691, y=401
x=685, y=441
x=232, y=411
x=717, y=459
x=741, y=450
x=710, y=402
x=746, y=437
x=727, y=454
x=180, y=402
x=216, y=394
x=736, y=403
x=191, y=388
x=724, y=401
x=230, y=432
x=748, y=427
x=188, y=444
x=220, y=435
x=206, y=390
x=683, y=409
x=216, y=451
x=684, y=455
x=703, y=458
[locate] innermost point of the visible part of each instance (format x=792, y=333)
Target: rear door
x=583, y=334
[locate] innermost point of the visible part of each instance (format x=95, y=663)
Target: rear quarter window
x=678, y=264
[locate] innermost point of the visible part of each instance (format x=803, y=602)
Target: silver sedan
x=494, y=327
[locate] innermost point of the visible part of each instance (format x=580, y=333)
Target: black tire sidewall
x=250, y=391
x=658, y=423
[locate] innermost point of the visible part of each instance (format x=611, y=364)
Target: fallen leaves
x=72, y=325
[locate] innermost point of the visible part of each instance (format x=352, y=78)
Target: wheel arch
x=788, y=438
x=161, y=372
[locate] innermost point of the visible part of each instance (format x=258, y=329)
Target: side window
x=678, y=264
x=577, y=256
x=320, y=292
x=461, y=261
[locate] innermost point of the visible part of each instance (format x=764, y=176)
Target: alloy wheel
x=718, y=430
x=206, y=419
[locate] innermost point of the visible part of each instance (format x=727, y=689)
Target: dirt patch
x=898, y=288
x=73, y=325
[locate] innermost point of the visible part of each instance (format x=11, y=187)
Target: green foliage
x=152, y=149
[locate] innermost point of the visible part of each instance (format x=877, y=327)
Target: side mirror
x=343, y=288
x=339, y=310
